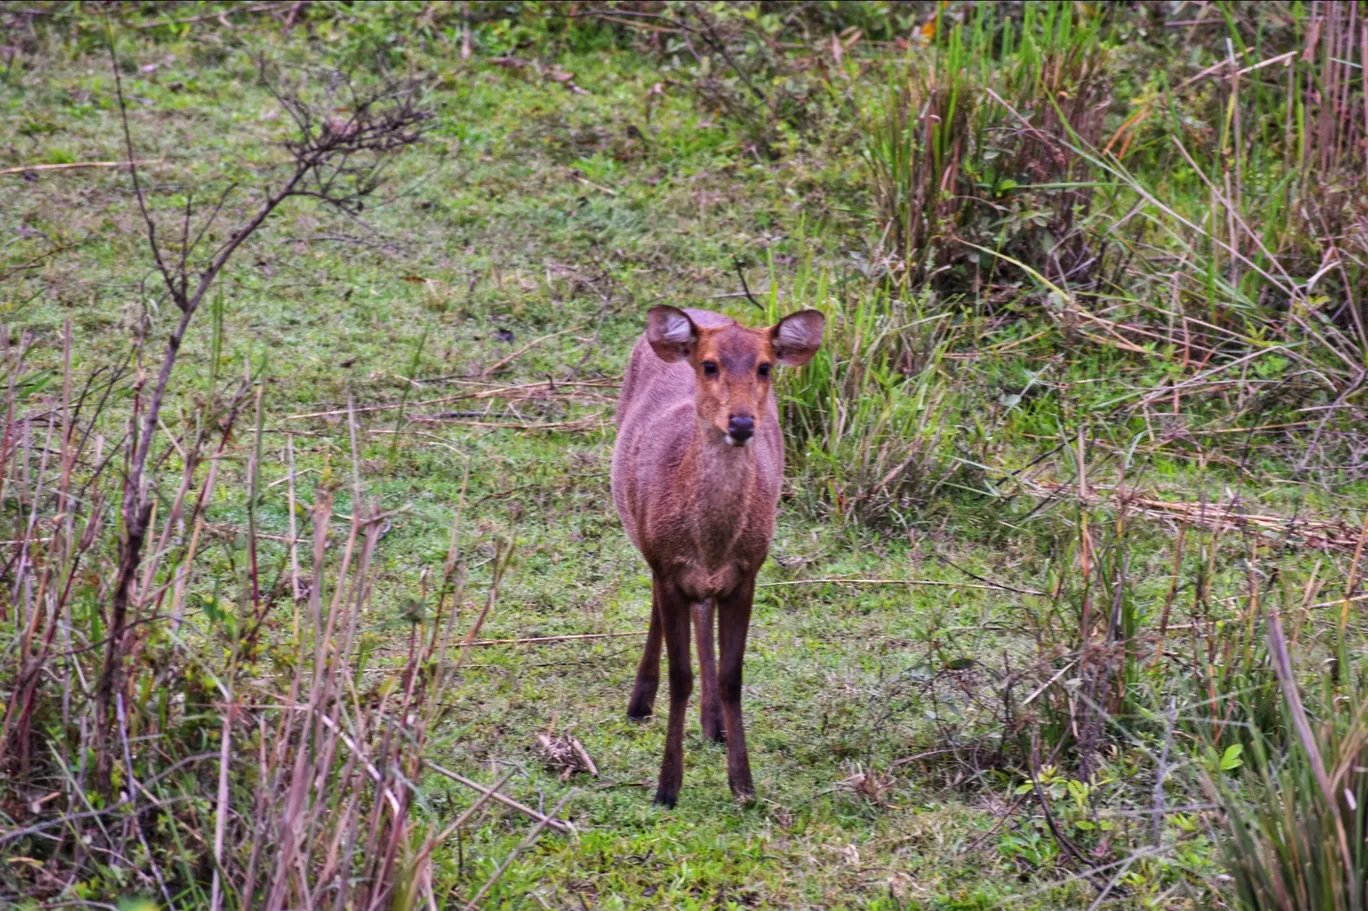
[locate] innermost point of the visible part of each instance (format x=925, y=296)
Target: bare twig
x=745, y=288
x=986, y=581
x=589, y=422
x=1317, y=534
x=465, y=817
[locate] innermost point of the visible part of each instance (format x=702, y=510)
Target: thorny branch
x=336, y=161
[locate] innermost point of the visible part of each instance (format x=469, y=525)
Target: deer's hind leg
x=642, y=704
x=709, y=703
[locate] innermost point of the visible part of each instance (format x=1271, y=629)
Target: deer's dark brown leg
x=642, y=704
x=674, y=621
x=709, y=706
x=733, y=619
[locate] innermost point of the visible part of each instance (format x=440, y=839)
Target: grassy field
x=1088, y=424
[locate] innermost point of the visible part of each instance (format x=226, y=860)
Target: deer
x=697, y=470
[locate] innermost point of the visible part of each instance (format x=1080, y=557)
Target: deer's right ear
x=671, y=333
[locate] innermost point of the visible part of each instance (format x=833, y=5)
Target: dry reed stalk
x=1353, y=578
x=1168, y=599
x=584, y=757
x=1282, y=667
x=294, y=533
x=172, y=524
x=11, y=397
x=198, y=521
x=221, y=807
x=1114, y=329
x=452, y=591
x=503, y=550
x=291, y=822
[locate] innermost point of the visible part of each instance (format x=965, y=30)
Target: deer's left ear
x=797, y=337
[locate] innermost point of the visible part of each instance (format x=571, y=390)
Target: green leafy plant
x=868, y=415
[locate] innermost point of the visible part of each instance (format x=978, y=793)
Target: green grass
x=532, y=209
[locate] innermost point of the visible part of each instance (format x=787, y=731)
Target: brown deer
x=696, y=475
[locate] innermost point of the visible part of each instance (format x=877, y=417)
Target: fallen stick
x=1317, y=534
x=461, y=820
x=557, y=824
x=74, y=165
x=586, y=423
x=569, y=638
x=500, y=392
x=589, y=183
x=983, y=585
x=524, y=349
x=222, y=15
x=508, y=861
x=584, y=756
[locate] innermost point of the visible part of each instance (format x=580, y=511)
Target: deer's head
x=733, y=364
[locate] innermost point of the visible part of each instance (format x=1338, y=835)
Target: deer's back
x=655, y=421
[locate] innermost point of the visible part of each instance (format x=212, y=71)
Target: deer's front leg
x=674, y=621
x=733, y=618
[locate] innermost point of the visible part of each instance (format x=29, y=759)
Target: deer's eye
x=764, y=371
x=709, y=368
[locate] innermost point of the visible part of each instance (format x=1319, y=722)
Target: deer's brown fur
x=696, y=475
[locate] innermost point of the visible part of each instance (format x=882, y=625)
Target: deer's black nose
x=741, y=428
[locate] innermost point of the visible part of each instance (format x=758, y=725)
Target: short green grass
x=532, y=210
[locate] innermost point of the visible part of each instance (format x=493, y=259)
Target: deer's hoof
x=641, y=706
x=743, y=790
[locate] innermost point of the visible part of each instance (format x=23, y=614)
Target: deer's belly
x=700, y=583
x=708, y=562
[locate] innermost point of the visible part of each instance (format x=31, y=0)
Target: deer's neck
x=722, y=495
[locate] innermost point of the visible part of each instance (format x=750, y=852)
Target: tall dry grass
x=262, y=758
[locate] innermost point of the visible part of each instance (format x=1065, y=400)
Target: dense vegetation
x=1066, y=605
